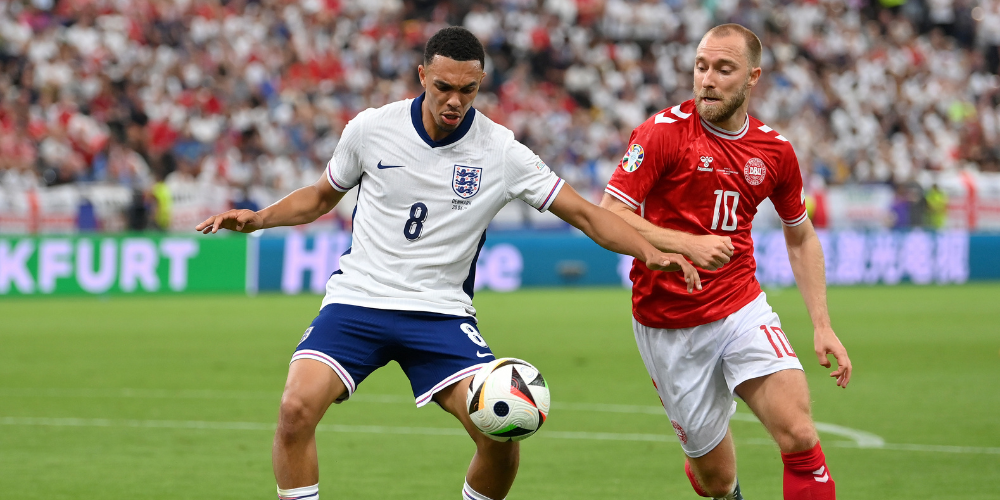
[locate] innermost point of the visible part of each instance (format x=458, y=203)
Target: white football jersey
x=424, y=205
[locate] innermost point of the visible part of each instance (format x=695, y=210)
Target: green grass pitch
x=151, y=398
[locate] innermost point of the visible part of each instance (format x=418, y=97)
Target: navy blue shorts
x=434, y=350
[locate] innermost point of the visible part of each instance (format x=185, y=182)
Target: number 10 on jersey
x=723, y=198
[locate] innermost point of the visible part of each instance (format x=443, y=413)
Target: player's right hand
x=710, y=252
x=676, y=262
x=243, y=221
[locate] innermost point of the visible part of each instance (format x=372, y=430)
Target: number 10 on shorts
x=778, y=341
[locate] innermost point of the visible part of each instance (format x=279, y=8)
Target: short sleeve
x=344, y=169
x=788, y=196
x=528, y=178
x=643, y=164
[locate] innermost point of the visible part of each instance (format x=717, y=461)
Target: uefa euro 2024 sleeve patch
x=633, y=158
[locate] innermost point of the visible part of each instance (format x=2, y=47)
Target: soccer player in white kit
x=432, y=173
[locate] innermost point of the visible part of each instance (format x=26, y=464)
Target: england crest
x=467, y=180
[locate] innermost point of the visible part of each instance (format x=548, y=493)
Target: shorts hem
x=771, y=369
x=428, y=396
x=714, y=442
x=345, y=377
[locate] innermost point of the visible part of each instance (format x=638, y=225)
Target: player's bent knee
x=295, y=417
x=798, y=437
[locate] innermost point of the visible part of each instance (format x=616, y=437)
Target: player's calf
x=310, y=389
x=714, y=473
x=501, y=455
x=493, y=468
x=718, y=486
x=294, y=453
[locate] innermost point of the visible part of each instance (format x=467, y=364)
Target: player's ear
x=754, y=77
x=423, y=78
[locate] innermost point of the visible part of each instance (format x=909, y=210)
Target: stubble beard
x=716, y=114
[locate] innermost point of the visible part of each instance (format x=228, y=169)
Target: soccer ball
x=508, y=400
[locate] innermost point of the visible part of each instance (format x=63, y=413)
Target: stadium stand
x=120, y=114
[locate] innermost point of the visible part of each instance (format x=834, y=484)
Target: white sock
x=470, y=494
x=304, y=493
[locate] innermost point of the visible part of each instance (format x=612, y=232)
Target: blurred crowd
x=162, y=94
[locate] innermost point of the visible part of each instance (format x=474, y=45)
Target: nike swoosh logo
x=382, y=167
x=483, y=355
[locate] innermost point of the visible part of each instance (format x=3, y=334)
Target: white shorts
x=696, y=370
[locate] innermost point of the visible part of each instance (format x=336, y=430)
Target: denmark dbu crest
x=467, y=180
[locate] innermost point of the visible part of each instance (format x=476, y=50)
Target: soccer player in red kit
x=690, y=182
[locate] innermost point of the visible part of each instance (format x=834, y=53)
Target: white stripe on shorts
x=426, y=397
x=332, y=363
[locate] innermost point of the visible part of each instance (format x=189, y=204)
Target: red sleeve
x=644, y=162
x=788, y=197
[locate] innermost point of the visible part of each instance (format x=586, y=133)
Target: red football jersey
x=681, y=172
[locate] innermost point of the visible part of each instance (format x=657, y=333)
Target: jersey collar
x=725, y=134
x=416, y=115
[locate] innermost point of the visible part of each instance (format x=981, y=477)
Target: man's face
x=722, y=77
x=450, y=87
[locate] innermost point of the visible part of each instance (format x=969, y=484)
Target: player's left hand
x=676, y=262
x=243, y=221
x=826, y=342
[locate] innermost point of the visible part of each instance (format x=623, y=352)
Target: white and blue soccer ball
x=508, y=399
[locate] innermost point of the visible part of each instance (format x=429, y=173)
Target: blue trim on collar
x=417, y=117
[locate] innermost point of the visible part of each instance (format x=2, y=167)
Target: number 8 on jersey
x=415, y=224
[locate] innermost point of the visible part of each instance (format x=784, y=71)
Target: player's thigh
x=351, y=341
x=759, y=363
x=685, y=367
x=452, y=399
x=756, y=345
x=311, y=387
x=781, y=402
x=437, y=351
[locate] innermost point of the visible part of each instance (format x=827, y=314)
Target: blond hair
x=752, y=42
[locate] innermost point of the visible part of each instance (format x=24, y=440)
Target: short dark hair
x=753, y=43
x=455, y=42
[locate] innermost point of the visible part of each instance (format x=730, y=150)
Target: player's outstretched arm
x=707, y=251
x=806, y=256
x=611, y=232
x=301, y=206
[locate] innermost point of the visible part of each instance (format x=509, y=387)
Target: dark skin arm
x=708, y=251
x=612, y=233
x=301, y=206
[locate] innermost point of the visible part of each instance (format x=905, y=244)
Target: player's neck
x=734, y=123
